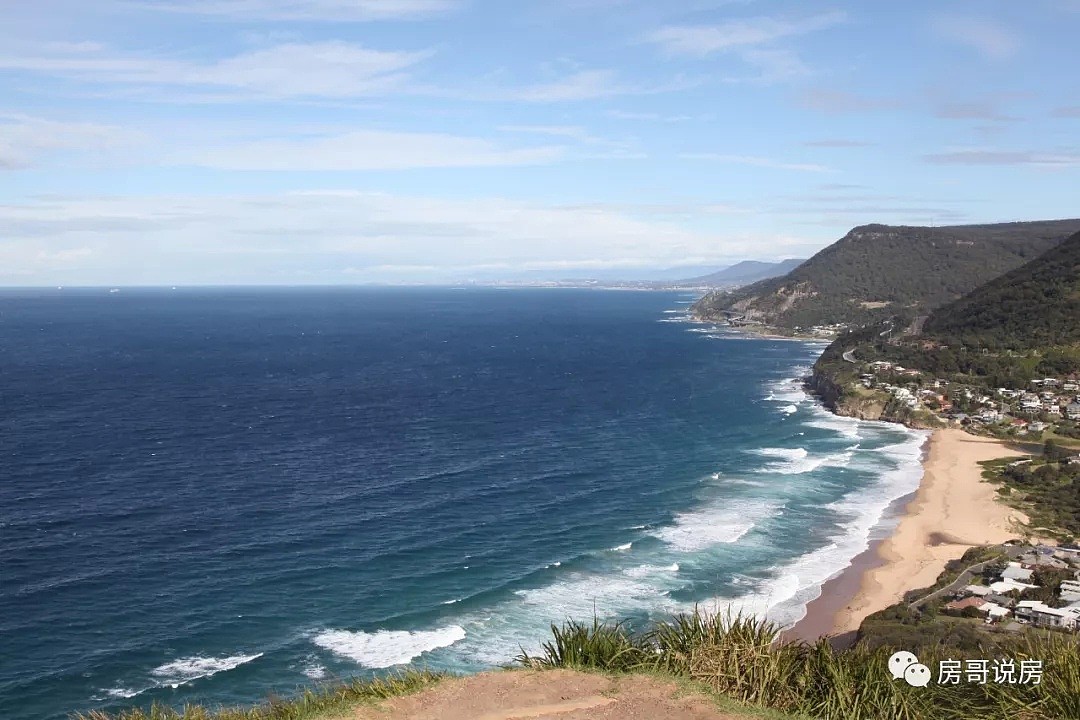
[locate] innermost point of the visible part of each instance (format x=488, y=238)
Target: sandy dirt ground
x=548, y=695
x=953, y=510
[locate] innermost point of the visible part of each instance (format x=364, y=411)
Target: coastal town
x=1036, y=586
x=1043, y=405
x=1048, y=406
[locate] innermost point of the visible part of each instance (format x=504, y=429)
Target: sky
x=168, y=142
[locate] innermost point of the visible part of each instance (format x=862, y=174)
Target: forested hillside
x=880, y=271
x=1035, y=306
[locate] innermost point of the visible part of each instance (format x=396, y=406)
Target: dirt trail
x=547, y=695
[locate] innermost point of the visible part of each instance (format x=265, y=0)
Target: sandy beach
x=952, y=510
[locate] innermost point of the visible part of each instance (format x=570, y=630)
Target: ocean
x=209, y=495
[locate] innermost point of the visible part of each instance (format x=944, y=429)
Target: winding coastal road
x=964, y=579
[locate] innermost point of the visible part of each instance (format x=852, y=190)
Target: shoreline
x=952, y=510
x=766, y=332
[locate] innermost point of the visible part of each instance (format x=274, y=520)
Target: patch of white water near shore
x=861, y=517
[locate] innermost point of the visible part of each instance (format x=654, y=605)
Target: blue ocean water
x=209, y=495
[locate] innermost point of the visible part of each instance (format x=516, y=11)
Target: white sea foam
x=498, y=635
x=622, y=548
x=124, y=693
x=315, y=671
x=644, y=571
x=789, y=391
x=452, y=602
x=701, y=529
x=796, y=461
x=789, y=409
x=185, y=670
x=386, y=648
x=845, y=426
x=783, y=597
x=742, y=481
x=582, y=594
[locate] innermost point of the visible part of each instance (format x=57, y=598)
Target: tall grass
x=743, y=658
x=312, y=704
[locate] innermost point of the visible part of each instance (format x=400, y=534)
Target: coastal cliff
x=836, y=387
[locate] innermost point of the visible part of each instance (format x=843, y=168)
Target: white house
x=1072, y=411
x=994, y=611
x=1016, y=571
x=977, y=590
x=1038, y=613
x=1003, y=586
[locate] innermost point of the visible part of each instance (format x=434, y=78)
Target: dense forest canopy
x=1034, y=306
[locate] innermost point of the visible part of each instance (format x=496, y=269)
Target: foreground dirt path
x=547, y=695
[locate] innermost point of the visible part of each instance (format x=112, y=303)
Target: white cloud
x=987, y=37
x=773, y=65
x=756, y=162
x=837, y=143
x=309, y=10
x=971, y=111
x=842, y=101
x=653, y=116
x=325, y=69
x=1062, y=159
x=704, y=40
x=366, y=150
x=583, y=85
x=315, y=235
x=570, y=132
x=24, y=139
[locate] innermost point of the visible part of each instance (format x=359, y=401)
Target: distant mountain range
x=731, y=276
x=747, y=271
x=880, y=271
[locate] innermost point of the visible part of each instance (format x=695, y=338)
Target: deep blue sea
x=209, y=495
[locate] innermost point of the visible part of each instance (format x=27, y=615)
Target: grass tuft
x=743, y=658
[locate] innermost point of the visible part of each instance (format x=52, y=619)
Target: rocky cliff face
x=844, y=401
x=847, y=401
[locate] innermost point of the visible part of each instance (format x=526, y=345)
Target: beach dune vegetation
x=747, y=659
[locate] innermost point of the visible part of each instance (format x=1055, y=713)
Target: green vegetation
x=953, y=568
x=1035, y=306
x=931, y=630
x=879, y=271
x=1047, y=489
x=1014, y=329
x=312, y=704
x=926, y=628
x=1049, y=581
x=744, y=659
